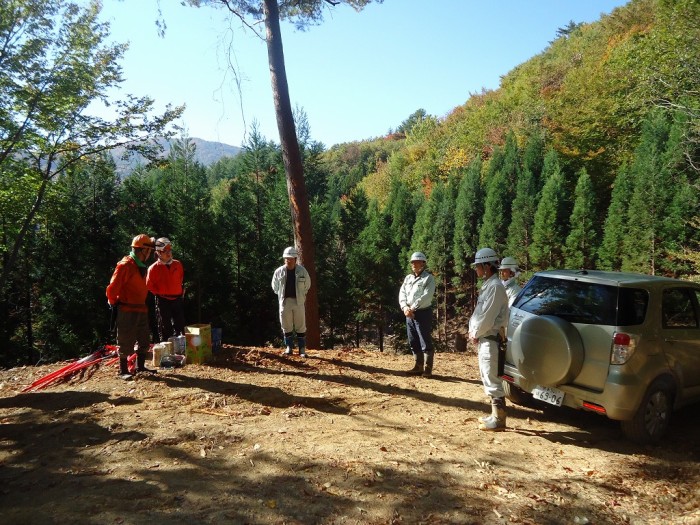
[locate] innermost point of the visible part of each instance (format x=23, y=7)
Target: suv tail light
x=623, y=346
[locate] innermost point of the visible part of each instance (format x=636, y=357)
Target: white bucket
x=159, y=350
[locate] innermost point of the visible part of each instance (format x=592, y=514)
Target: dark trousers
x=419, y=330
x=132, y=328
x=170, y=314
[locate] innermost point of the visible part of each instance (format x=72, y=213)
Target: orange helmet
x=143, y=241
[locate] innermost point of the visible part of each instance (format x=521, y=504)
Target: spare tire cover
x=547, y=350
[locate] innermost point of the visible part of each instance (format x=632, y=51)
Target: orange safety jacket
x=165, y=280
x=128, y=287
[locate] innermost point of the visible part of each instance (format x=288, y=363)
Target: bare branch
x=241, y=17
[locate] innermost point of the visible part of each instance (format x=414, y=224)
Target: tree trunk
x=445, y=285
x=298, y=199
x=28, y=306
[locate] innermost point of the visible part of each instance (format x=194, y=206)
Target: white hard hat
x=509, y=263
x=162, y=244
x=419, y=256
x=485, y=255
x=290, y=252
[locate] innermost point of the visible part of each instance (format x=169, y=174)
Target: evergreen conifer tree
x=72, y=257
x=677, y=234
x=350, y=218
x=523, y=217
x=547, y=233
x=401, y=209
x=438, y=244
x=468, y=211
x=611, y=248
x=653, y=191
x=425, y=217
x=494, y=228
x=533, y=157
x=370, y=265
x=580, y=243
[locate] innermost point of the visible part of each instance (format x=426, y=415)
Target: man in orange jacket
x=164, y=281
x=127, y=290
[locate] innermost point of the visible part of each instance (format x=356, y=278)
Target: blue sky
x=356, y=76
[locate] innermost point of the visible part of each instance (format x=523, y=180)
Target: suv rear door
x=680, y=330
x=589, y=305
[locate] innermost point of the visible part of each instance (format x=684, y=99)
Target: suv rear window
x=583, y=302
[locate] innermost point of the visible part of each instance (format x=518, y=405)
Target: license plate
x=550, y=395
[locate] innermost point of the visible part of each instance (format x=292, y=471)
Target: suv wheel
x=516, y=395
x=651, y=421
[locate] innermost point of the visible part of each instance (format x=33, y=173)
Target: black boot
x=124, y=369
x=418, y=367
x=289, y=344
x=141, y=364
x=428, y=371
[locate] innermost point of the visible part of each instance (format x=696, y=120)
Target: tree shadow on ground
x=269, y=396
x=305, y=368
x=595, y=431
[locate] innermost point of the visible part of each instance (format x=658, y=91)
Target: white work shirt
x=512, y=289
x=491, y=312
x=417, y=291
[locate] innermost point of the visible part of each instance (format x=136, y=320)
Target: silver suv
x=624, y=345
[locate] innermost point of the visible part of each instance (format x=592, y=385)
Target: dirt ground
x=344, y=436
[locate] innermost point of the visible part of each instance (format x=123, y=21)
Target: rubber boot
x=428, y=371
x=488, y=416
x=289, y=343
x=141, y=364
x=124, y=369
x=301, y=341
x=497, y=420
x=418, y=367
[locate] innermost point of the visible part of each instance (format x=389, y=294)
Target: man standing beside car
x=486, y=327
x=509, y=271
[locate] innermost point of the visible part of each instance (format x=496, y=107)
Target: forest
x=586, y=156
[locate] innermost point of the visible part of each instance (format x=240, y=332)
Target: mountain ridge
x=207, y=152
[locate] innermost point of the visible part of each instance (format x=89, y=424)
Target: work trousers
x=488, y=368
x=170, y=314
x=132, y=328
x=292, y=317
x=419, y=330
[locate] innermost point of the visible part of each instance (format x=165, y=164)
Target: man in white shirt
x=291, y=283
x=415, y=299
x=486, y=326
x=508, y=272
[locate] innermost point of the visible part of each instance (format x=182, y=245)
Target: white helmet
x=419, y=256
x=163, y=244
x=509, y=263
x=485, y=255
x=290, y=252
